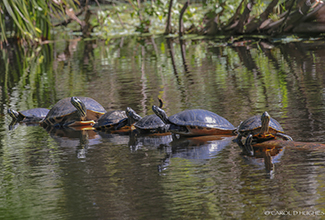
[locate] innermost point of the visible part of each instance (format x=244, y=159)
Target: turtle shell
x=63, y=112
x=112, y=120
x=149, y=122
x=28, y=116
x=35, y=114
x=254, y=123
x=200, y=122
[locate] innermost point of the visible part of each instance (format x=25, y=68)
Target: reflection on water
x=265, y=159
x=151, y=141
x=73, y=174
x=70, y=139
x=196, y=149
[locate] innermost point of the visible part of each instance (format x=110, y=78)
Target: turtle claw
x=248, y=145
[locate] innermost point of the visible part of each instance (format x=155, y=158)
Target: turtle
x=258, y=129
x=112, y=120
x=148, y=124
x=133, y=117
x=196, y=122
x=74, y=111
x=34, y=115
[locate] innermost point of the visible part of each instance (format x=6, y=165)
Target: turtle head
x=13, y=114
x=265, y=119
x=161, y=114
x=79, y=105
x=132, y=115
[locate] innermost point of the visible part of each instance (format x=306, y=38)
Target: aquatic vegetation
x=30, y=20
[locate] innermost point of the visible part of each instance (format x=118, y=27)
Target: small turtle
x=34, y=115
x=196, y=122
x=259, y=129
x=113, y=120
x=148, y=124
x=133, y=117
x=74, y=111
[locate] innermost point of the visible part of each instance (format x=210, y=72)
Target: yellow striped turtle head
x=265, y=119
x=79, y=105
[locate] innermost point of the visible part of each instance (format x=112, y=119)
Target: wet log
x=235, y=16
x=303, y=16
x=291, y=144
x=290, y=21
x=320, y=14
x=309, y=27
x=256, y=23
x=317, y=15
x=244, y=17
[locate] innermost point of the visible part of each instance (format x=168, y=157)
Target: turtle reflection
x=137, y=142
x=115, y=138
x=265, y=157
x=197, y=149
x=77, y=140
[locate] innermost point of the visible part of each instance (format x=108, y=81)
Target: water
x=71, y=174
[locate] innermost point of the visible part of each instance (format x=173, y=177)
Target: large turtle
x=74, y=111
x=196, y=122
x=258, y=129
x=148, y=124
x=34, y=115
x=112, y=120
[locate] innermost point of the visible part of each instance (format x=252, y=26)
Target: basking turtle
x=74, y=111
x=34, y=115
x=148, y=124
x=196, y=122
x=113, y=120
x=259, y=129
x=116, y=120
x=133, y=117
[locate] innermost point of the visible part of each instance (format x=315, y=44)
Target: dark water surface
x=69, y=174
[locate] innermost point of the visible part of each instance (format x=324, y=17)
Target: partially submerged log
x=310, y=27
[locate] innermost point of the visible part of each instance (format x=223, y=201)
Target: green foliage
x=151, y=16
x=127, y=18
x=29, y=20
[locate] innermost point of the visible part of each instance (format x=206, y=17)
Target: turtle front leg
x=121, y=124
x=13, y=124
x=284, y=136
x=248, y=145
